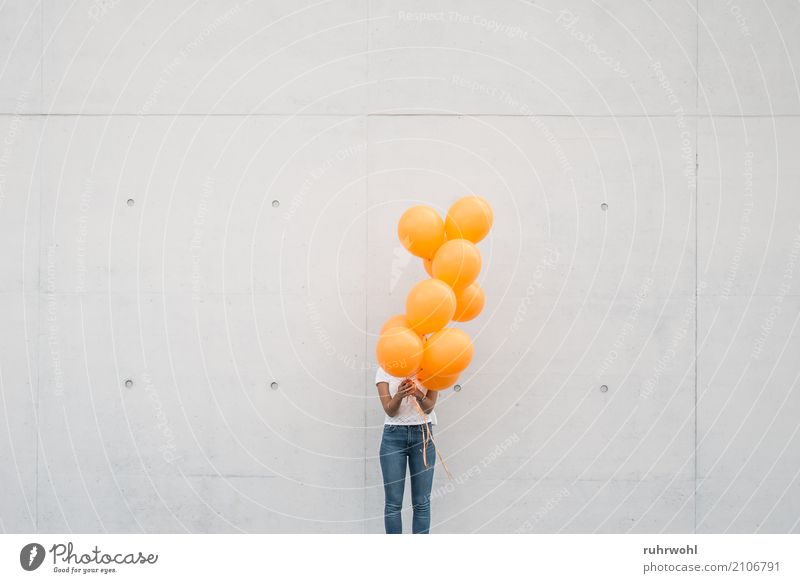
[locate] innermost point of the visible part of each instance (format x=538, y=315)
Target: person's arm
x=427, y=401
x=392, y=403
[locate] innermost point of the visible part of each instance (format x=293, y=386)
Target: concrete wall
x=199, y=199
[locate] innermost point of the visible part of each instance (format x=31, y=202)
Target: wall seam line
x=696, y=248
x=39, y=266
x=365, y=117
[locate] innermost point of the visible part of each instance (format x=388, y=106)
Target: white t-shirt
x=407, y=413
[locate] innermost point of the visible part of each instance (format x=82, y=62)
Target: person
x=404, y=438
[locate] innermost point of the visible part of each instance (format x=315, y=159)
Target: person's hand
x=406, y=388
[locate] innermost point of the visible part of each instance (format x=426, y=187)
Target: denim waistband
x=385, y=425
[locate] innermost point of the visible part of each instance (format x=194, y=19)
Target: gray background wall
x=201, y=198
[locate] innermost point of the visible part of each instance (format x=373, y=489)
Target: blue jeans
x=401, y=445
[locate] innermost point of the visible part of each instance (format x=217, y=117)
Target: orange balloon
x=447, y=352
x=428, y=265
x=469, y=218
x=399, y=320
x=421, y=231
x=399, y=351
x=430, y=305
x=438, y=383
x=469, y=302
x=457, y=263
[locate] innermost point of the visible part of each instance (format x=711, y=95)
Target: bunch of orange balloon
x=419, y=343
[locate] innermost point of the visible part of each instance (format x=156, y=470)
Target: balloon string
x=427, y=436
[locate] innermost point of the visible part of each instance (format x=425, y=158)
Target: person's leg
x=421, y=482
x=394, y=456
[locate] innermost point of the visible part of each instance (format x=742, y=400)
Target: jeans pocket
x=390, y=428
